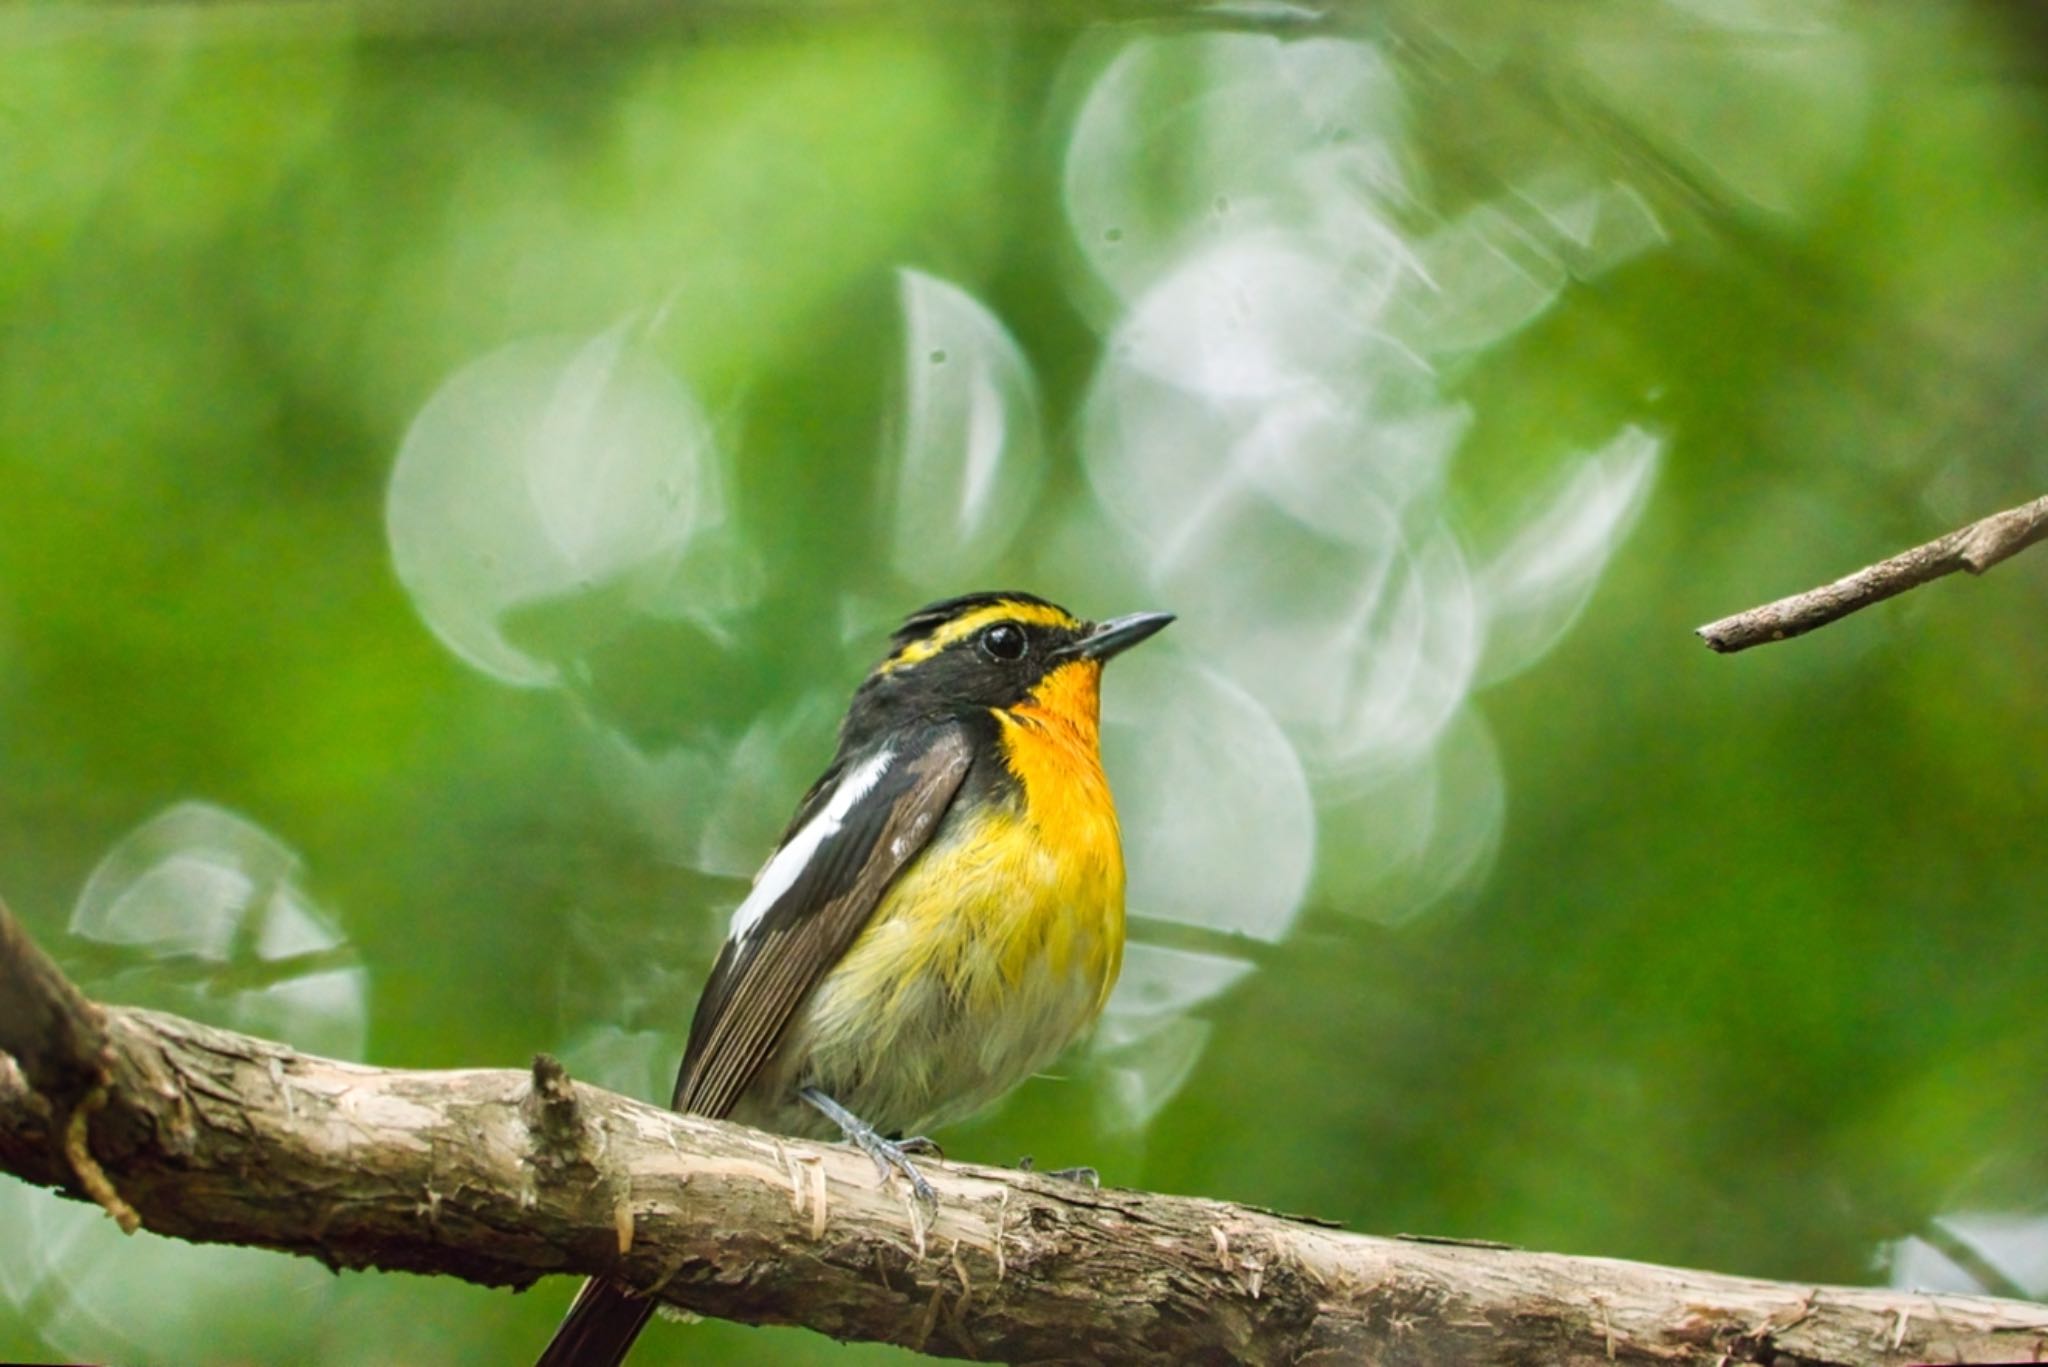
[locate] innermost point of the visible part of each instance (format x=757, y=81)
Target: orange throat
x=1051, y=742
x=1069, y=700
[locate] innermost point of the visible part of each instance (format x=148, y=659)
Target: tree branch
x=1975, y=548
x=501, y=1177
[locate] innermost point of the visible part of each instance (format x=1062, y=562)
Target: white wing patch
x=781, y=872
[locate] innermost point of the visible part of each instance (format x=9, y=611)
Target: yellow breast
x=1052, y=747
x=1014, y=896
x=1008, y=891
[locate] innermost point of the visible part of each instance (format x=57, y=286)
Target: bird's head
x=995, y=652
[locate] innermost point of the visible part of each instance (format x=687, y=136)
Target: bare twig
x=1975, y=548
x=219, y=1137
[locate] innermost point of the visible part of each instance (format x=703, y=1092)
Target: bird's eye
x=1005, y=641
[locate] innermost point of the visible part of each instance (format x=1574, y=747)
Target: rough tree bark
x=501, y=1177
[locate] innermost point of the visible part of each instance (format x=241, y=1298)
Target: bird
x=943, y=915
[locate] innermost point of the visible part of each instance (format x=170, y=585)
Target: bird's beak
x=1117, y=635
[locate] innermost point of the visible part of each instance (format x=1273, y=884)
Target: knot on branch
x=552, y=1117
x=1983, y=544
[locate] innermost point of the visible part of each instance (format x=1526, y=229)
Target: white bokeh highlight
x=203, y=902
x=69, y=1270
x=549, y=467
x=1205, y=137
x=1478, y=279
x=1202, y=772
x=1535, y=585
x=1272, y=433
x=1406, y=839
x=971, y=457
x=2014, y=1244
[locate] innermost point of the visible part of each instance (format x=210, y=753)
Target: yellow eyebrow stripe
x=960, y=628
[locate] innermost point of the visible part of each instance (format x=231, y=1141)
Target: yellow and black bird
x=944, y=914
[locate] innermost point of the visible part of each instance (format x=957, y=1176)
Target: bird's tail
x=600, y=1327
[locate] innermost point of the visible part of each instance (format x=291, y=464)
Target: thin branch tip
x=1974, y=549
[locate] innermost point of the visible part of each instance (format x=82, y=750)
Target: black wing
x=814, y=906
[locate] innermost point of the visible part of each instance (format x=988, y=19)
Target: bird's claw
x=1088, y=1175
x=889, y=1155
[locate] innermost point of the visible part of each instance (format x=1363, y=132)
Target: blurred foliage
x=1725, y=962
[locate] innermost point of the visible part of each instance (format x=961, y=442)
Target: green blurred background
x=454, y=466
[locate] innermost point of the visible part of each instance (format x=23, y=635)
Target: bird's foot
x=889, y=1155
x=1088, y=1175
